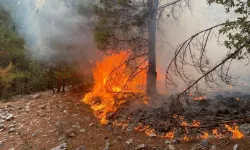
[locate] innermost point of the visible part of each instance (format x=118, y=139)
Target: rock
x=62, y=138
x=2, y=127
x=63, y=146
x=204, y=143
x=152, y=135
x=171, y=147
x=76, y=126
x=27, y=108
x=71, y=133
x=35, y=133
x=236, y=147
x=167, y=142
x=36, y=96
x=119, y=138
x=107, y=145
x=81, y=148
x=91, y=124
x=12, y=130
x=42, y=106
x=9, y=117
x=83, y=130
x=1, y=143
x=176, y=141
x=245, y=128
x=140, y=147
x=213, y=147
x=129, y=142
x=12, y=126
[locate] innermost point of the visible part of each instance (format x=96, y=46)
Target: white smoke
x=54, y=29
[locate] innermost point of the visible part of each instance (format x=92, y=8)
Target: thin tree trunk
x=152, y=74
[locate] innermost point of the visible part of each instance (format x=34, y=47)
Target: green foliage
x=18, y=72
x=238, y=31
x=102, y=34
x=120, y=24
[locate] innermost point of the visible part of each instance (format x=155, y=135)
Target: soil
x=44, y=120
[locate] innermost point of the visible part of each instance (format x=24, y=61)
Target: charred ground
x=46, y=120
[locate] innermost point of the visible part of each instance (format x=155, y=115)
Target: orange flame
x=199, y=98
x=216, y=134
x=106, y=96
x=186, y=138
x=195, y=124
x=205, y=135
x=170, y=135
x=235, y=131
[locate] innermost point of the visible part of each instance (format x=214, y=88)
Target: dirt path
x=44, y=121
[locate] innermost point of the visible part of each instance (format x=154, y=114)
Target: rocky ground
x=62, y=122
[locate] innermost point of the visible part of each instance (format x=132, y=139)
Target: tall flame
x=110, y=81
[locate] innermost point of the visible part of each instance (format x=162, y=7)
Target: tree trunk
x=152, y=74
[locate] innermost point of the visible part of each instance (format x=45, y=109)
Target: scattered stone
x=63, y=146
x=62, y=138
x=36, y=96
x=12, y=130
x=204, y=143
x=107, y=145
x=236, y=147
x=76, y=126
x=35, y=133
x=176, y=141
x=9, y=117
x=152, y=135
x=140, y=147
x=71, y=133
x=130, y=129
x=83, y=130
x=194, y=147
x=119, y=138
x=12, y=126
x=42, y=106
x=91, y=124
x=2, y=127
x=1, y=143
x=167, y=142
x=27, y=108
x=245, y=128
x=171, y=147
x=213, y=147
x=129, y=142
x=81, y=148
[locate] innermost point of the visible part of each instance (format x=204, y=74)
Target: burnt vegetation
x=125, y=32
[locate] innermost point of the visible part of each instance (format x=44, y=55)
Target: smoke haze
x=54, y=29
x=200, y=17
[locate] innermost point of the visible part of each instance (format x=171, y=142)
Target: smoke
x=201, y=16
x=54, y=30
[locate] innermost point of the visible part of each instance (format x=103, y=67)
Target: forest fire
x=113, y=78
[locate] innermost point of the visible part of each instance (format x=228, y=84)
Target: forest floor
x=43, y=121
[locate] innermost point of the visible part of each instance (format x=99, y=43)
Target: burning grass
x=116, y=81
